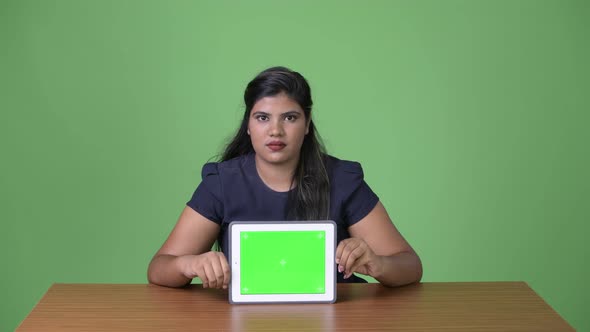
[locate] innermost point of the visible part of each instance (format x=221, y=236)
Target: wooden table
x=497, y=306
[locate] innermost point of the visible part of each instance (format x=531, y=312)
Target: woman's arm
x=377, y=248
x=186, y=254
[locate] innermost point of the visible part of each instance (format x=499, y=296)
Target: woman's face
x=277, y=127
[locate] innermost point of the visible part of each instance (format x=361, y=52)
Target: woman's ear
x=248, y=131
x=307, y=126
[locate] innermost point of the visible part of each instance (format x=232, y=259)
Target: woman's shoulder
x=338, y=166
x=221, y=167
x=348, y=187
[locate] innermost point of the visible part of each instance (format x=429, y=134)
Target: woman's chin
x=276, y=157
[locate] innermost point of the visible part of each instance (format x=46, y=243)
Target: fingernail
x=347, y=276
x=337, y=261
x=340, y=269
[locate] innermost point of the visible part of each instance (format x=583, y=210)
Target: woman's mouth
x=276, y=146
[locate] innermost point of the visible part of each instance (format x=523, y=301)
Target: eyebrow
x=293, y=112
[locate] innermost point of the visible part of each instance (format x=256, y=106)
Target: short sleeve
x=357, y=197
x=207, y=198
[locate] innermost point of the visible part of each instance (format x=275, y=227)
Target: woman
x=276, y=168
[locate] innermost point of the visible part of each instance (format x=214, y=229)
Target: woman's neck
x=278, y=177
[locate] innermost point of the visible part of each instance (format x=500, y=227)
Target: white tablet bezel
x=234, y=260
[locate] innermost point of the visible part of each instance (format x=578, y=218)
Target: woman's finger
x=349, y=247
x=354, y=258
x=212, y=281
x=218, y=271
x=339, y=250
x=225, y=269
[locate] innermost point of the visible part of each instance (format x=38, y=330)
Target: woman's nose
x=276, y=129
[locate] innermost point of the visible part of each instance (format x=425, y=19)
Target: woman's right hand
x=211, y=267
x=187, y=254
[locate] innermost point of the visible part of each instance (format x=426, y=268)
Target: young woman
x=276, y=168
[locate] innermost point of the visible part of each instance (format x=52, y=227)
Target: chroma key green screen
x=282, y=262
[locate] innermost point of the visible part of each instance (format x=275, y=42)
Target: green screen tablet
x=282, y=262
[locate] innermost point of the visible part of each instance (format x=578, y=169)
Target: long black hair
x=310, y=197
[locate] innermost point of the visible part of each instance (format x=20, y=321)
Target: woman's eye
x=290, y=118
x=262, y=118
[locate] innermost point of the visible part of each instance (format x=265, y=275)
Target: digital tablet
x=274, y=262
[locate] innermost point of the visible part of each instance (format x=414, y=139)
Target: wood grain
x=497, y=306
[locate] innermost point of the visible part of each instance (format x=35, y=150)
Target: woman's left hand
x=355, y=255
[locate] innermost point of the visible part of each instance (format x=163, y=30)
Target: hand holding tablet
x=211, y=267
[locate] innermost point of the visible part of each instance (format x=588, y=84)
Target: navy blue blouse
x=233, y=191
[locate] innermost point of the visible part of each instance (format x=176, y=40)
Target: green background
x=280, y=262
x=470, y=119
